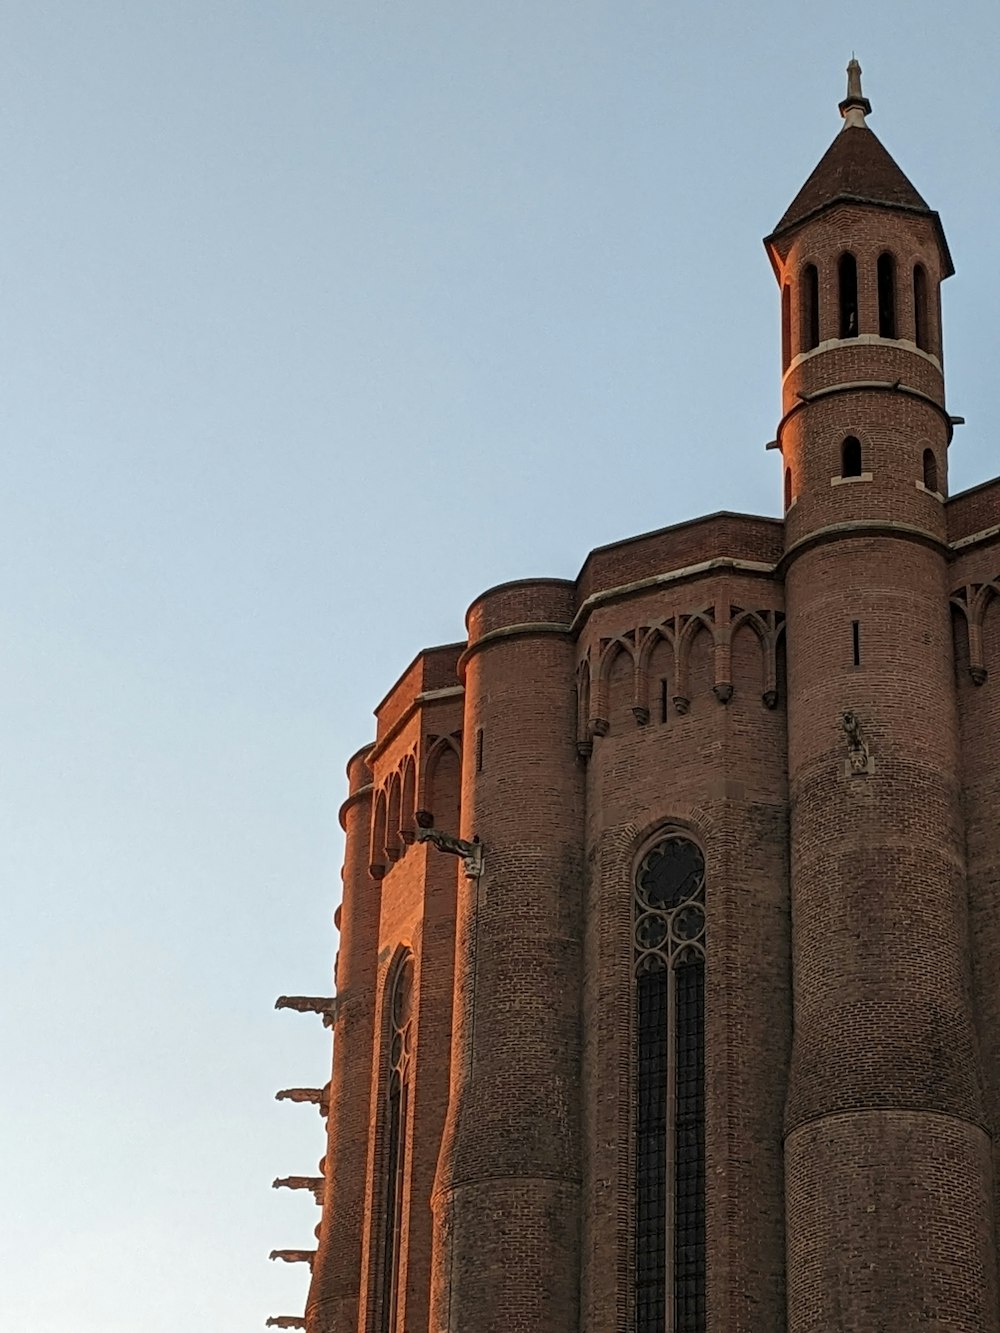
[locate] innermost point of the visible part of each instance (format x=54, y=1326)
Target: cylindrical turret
x=506, y=1198
x=888, y=1170
x=332, y=1306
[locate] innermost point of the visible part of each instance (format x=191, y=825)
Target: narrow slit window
x=479, y=750
x=850, y=457
x=930, y=470
x=810, y=308
x=886, y=296
x=664, y=699
x=856, y=641
x=789, y=495
x=847, y=272
x=920, y=307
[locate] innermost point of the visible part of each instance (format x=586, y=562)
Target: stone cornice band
x=866, y=386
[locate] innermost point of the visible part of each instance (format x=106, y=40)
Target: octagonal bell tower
x=887, y=1155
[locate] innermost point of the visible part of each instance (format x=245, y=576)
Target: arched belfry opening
x=809, y=307
x=847, y=277
x=886, y=273
x=920, y=311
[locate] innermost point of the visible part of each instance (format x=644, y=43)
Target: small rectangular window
x=663, y=700
x=479, y=750
x=856, y=640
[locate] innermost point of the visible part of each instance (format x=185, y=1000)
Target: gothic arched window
x=669, y=942
x=399, y=1031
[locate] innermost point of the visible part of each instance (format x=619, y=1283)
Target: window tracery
x=400, y=1039
x=669, y=949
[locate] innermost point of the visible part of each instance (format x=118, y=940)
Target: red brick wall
x=851, y=1175
x=507, y=1193
x=886, y=1154
x=717, y=771
x=332, y=1306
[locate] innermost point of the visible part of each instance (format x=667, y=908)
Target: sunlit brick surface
x=796, y=1134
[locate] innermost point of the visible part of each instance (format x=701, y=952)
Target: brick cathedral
x=668, y=995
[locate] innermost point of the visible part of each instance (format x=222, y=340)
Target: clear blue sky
x=315, y=320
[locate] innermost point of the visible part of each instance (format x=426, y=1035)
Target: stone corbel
x=723, y=687
x=470, y=852
x=310, y=1004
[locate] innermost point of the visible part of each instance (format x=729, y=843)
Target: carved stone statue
x=858, y=755
x=314, y=1184
x=470, y=852
x=313, y=1095
x=310, y=1004
x=285, y=1321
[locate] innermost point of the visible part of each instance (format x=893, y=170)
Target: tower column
x=506, y=1199
x=888, y=1158
x=332, y=1305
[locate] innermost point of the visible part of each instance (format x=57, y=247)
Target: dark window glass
x=886, y=296
x=670, y=1089
x=786, y=326
x=930, y=470
x=689, y=1146
x=809, y=332
x=788, y=488
x=847, y=272
x=850, y=457
x=400, y=1035
x=651, y=1152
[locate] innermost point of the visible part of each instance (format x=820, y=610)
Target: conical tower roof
x=857, y=169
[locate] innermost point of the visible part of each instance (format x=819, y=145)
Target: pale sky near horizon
x=317, y=319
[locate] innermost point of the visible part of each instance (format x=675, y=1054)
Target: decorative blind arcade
x=670, y=1092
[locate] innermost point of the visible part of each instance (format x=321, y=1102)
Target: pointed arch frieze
x=679, y=632
x=972, y=601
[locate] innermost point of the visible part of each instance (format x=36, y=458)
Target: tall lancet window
x=400, y=1034
x=669, y=944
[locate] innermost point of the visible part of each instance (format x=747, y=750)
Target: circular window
x=671, y=874
x=669, y=922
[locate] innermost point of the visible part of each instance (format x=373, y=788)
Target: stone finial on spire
x=855, y=105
